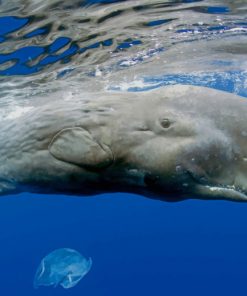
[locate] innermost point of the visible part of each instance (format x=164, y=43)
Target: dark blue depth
x=138, y=246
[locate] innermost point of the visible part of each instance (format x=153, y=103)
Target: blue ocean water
x=138, y=246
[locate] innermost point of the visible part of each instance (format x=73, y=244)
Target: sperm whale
x=172, y=143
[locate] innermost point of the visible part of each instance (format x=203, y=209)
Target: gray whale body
x=172, y=144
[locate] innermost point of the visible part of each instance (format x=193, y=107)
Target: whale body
x=174, y=143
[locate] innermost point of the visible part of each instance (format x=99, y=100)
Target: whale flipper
x=77, y=146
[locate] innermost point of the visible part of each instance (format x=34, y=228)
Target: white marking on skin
x=18, y=112
x=214, y=188
x=229, y=187
x=98, y=72
x=133, y=171
x=69, y=96
x=179, y=169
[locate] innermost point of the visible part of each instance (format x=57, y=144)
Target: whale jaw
x=220, y=193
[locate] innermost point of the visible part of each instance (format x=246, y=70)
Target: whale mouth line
x=209, y=190
x=220, y=192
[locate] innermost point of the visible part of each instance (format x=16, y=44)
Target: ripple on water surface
x=93, y=44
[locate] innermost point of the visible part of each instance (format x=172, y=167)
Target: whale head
x=169, y=146
x=182, y=155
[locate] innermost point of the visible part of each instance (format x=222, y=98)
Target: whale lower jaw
x=200, y=191
x=217, y=192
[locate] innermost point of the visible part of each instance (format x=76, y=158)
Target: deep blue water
x=138, y=246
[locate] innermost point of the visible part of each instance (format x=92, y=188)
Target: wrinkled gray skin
x=173, y=143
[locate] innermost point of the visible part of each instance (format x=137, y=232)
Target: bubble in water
x=65, y=267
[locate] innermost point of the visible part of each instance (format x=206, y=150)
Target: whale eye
x=165, y=122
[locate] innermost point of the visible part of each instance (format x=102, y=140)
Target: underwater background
x=138, y=246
